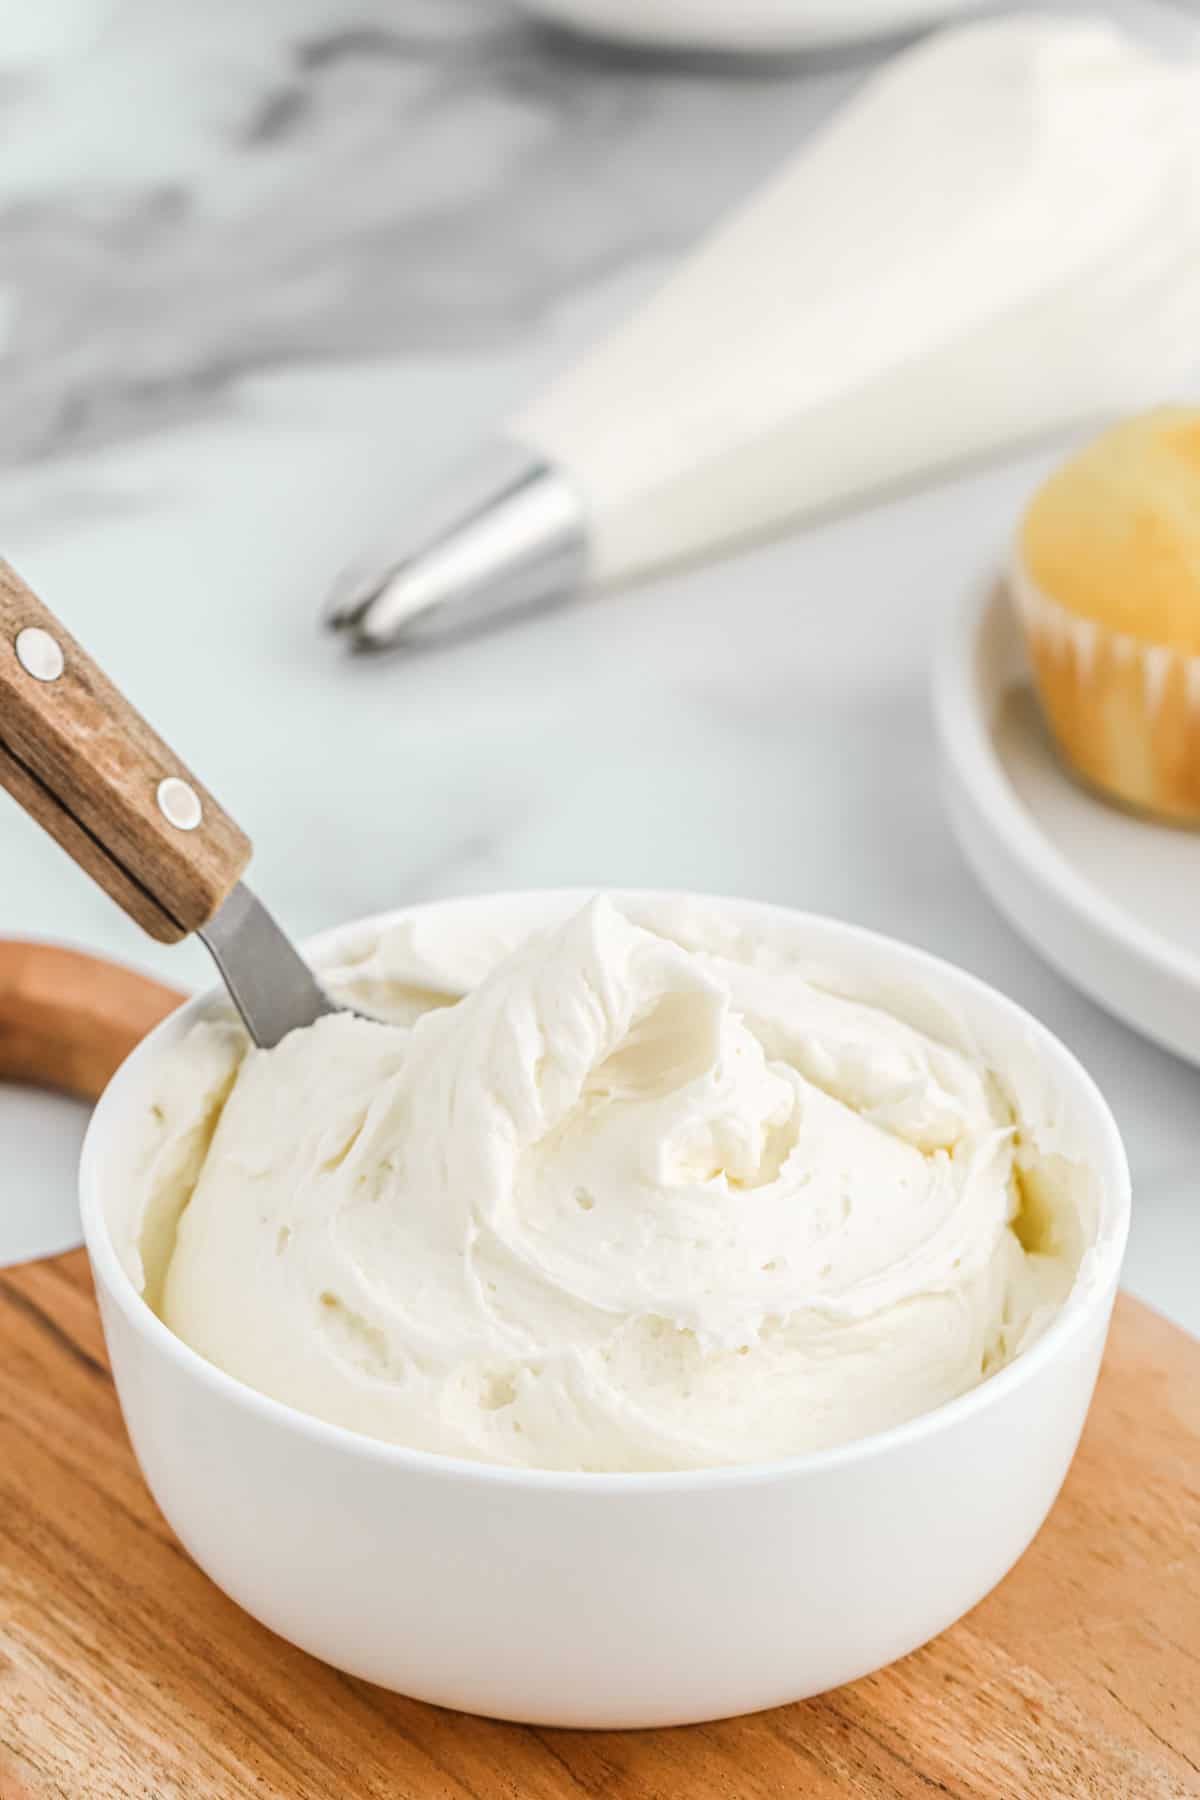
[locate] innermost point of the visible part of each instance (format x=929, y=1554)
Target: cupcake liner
x=1124, y=713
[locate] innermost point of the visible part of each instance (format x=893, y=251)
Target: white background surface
x=759, y=726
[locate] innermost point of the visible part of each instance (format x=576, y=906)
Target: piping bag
x=997, y=236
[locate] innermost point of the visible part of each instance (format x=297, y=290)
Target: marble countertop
x=262, y=270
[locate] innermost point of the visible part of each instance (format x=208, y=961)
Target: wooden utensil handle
x=85, y=764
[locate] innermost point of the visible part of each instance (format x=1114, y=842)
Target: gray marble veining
x=385, y=179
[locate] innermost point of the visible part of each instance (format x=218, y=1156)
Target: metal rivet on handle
x=179, y=804
x=39, y=654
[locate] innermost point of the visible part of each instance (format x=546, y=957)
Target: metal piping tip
x=347, y=601
x=505, y=534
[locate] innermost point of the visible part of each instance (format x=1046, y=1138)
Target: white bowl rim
x=1077, y=1313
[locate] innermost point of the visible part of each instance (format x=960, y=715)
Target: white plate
x=746, y=25
x=39, y=1200
x=1112, y=901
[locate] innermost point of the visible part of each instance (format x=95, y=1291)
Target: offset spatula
x=86, y=766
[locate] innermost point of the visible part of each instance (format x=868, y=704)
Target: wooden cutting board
x=124, y=1673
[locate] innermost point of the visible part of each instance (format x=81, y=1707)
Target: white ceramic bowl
x=746, y=25
x=614, y=1600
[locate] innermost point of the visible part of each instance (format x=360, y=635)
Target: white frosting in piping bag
x=998, y=235
x=627, y=1205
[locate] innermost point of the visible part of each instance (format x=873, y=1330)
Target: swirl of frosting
x=625, y=1204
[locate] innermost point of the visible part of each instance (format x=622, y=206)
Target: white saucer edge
x=1115, y=959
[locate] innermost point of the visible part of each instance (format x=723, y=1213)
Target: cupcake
x=1106, y=577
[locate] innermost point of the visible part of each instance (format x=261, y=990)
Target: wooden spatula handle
x=86, y=765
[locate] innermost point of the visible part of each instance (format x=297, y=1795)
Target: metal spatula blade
x=269, y=982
